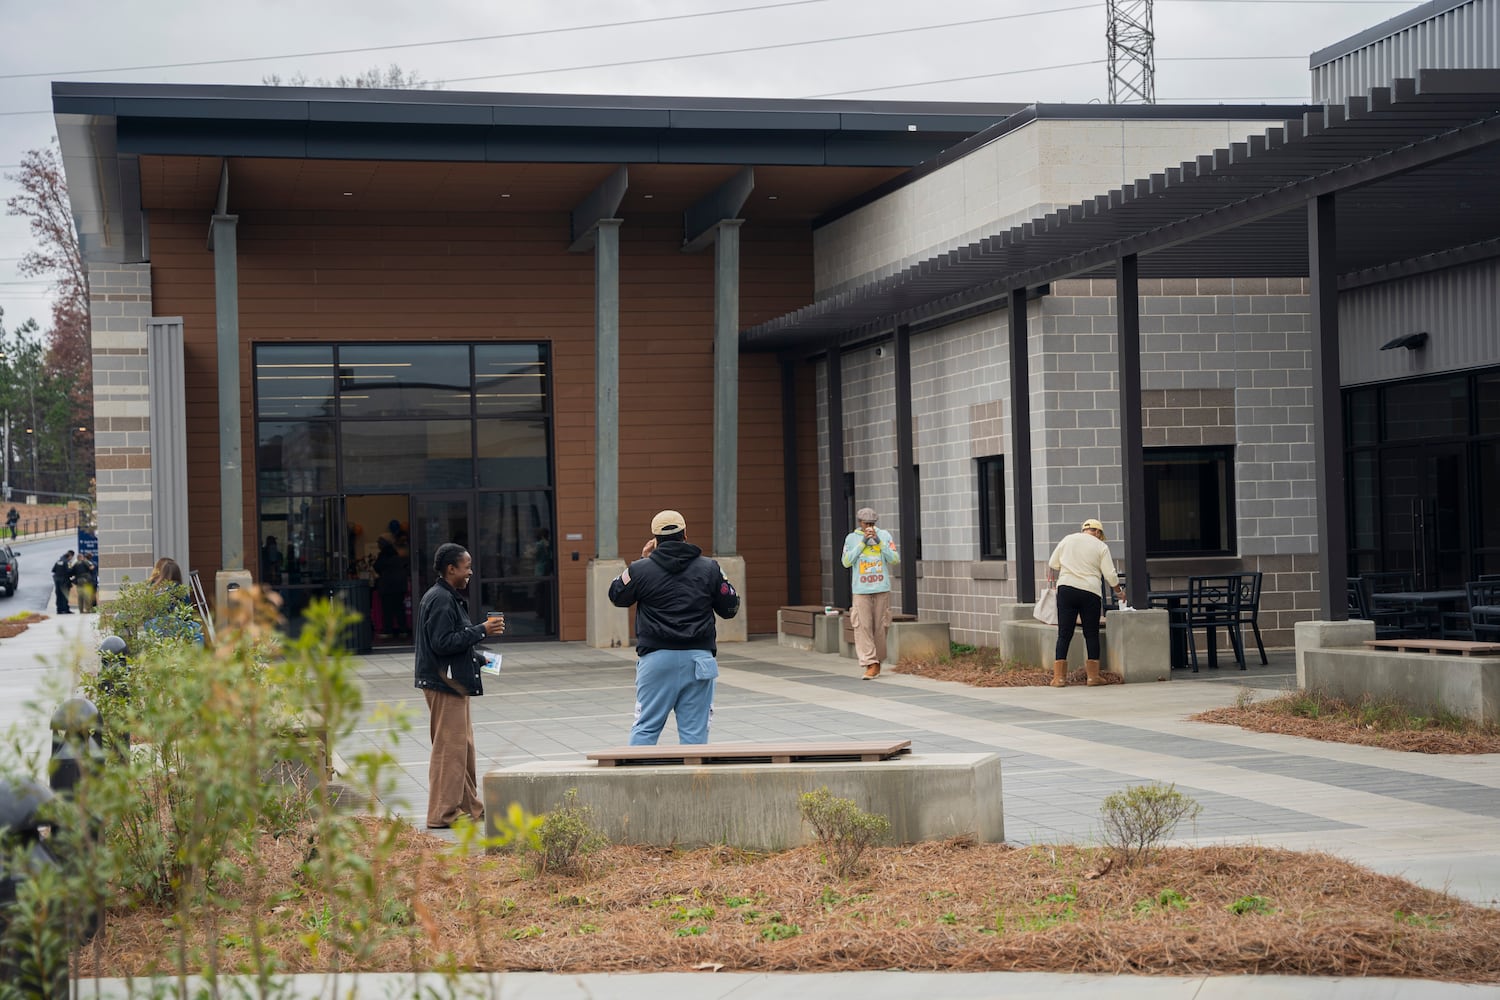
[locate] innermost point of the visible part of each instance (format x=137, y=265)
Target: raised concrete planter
x=1034, y=643
x=825, y=631
x=1464, y=685
x=756, y=806
x=846, y=635
x=917, y=641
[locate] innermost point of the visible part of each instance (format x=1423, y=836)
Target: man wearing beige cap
x=676, y=591
x=871, y=555
x=1077, y=564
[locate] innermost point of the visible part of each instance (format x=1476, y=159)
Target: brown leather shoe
x=871, y=672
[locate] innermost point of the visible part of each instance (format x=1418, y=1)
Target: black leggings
x=1072, y=602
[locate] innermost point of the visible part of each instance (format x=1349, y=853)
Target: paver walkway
x=1433, y=819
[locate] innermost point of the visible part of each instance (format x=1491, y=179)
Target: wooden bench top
x=1455, y=647
x=751, y=753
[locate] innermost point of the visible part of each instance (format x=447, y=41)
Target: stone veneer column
x=119, y=310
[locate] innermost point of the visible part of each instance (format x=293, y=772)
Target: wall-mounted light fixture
x=1411, y=341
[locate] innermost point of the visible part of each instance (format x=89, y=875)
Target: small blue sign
x=88, y=545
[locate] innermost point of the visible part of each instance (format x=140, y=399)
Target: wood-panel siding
x=327, y=276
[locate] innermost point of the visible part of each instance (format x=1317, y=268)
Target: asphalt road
x=35, y=592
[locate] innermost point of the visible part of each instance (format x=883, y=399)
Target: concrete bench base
x=1466, y=686
x=1135, y=644
x=756, y=806
x=825, y=632
x=917, y=641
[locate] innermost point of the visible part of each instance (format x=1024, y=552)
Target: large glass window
x=405, y=380
x=1189, y=501
x=992, y=507
x=351, y=437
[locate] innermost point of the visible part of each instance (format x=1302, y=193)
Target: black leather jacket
x=446, y=641
x=676, y=591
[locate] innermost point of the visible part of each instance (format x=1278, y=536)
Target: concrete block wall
x=1033, y=170
x=1224, y=362
x=119, y=307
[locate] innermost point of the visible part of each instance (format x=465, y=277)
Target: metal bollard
x=114, y=680
x=23, y=852
x=76, y=744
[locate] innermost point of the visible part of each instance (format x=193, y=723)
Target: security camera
x=880, y=352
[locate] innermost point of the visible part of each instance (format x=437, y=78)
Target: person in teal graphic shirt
x=871, y=555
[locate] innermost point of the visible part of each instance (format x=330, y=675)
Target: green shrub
x=843, y=829
x=1138, y=819
x=147, y=616
x=568, y=835
x=1251, y=904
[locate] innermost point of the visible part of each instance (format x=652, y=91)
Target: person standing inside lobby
x=448, y=674
x=1077, y=564
x=870, y=553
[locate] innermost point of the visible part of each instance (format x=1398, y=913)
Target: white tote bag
x=1046, y=606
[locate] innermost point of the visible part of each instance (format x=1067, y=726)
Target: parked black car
x=10, y=570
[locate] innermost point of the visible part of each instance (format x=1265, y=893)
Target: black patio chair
x=1389, y=623
x=1250, y=584
x=1486, y=622
x=1213, y=602
x=1483, y=593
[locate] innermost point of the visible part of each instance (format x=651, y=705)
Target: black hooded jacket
x=676, y=591
x=446, y=641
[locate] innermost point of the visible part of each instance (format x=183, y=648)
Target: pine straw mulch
x=16, y=624
x=934, y=906
x=1338, y=722
x=985, y=667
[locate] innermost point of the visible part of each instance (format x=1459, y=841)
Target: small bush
x=1244, y=698
x=843, y=829
x=1138, y=819
x=568, y=835
x=1251, y=904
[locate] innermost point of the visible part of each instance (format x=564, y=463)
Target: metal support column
x=838, y=504
x=792, y=530
x=1328, y=418
x=1133, y=461
x=607, y=388
x=726, y=385
x=1020, y=446
x=227, y=329
x=906, y=474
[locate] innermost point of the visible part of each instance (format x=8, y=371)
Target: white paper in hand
x=491, y=663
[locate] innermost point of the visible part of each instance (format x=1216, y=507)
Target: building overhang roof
x=1413, y=166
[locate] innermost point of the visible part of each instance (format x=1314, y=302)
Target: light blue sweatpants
x=668, y=680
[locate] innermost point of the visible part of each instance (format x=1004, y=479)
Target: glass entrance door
x=438, y=518
x=1426, y=508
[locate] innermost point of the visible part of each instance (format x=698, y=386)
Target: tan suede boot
x=1060, y=673
x=1092, y=666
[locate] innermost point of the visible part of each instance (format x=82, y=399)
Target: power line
x=774, y=45
x=958, y=79
x=417, y=45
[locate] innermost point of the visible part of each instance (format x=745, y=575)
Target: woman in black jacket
x=448, y=674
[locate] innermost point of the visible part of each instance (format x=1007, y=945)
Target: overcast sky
x=1258, y=53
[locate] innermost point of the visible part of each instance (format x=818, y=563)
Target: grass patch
x=1370, y=722
x=1220, y=910
x=983, y=666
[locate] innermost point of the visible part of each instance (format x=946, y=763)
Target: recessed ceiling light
x=505, y=196
x=348, y=194
x=771, y=197
x=648, y=197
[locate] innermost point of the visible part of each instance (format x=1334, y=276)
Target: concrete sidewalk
x=1434, y=820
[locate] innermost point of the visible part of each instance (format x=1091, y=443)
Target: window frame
x=1218, y=453
x=992, y=543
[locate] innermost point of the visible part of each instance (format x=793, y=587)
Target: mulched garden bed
x=1336, y=722
x=950, y=906
x=985, y=667
x=16, y=624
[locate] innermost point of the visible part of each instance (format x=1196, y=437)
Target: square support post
x=726, y=386
x=606, y=626
x=1133, y=466
x=1020, y=447
x=227, y=333
x=789, y=485
x=906, y=475
x=838, y=504
x=1328, y=411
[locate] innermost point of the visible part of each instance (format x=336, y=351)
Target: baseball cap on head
x=668, y=522
x=866, y=514
x=1093, y=523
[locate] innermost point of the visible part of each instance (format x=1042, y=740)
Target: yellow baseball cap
x=668, y=522
x=1094, y=525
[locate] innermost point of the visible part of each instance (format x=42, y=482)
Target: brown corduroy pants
x=452, y=778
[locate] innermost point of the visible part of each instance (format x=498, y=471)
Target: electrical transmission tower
x=1132, y=59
